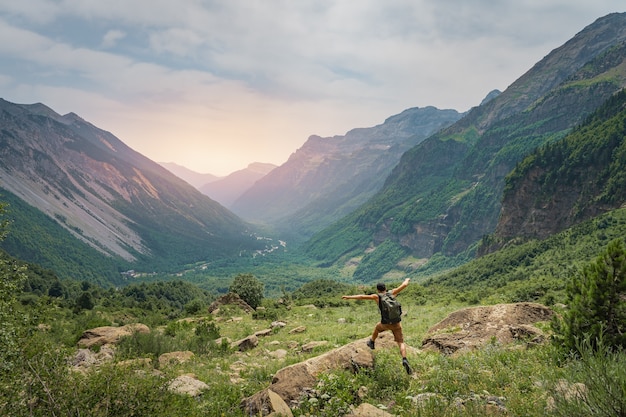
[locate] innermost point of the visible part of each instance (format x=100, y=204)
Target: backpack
x=390, y=308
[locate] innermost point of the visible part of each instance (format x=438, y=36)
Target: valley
x=521, y=201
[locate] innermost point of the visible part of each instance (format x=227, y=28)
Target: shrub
x=603, y=372
x=597, y=304
x=248, y=288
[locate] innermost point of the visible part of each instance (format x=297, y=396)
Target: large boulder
x=105, y=335
x=473, y=327
x=291, y=381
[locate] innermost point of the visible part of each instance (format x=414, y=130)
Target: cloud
x=112, y=37
x=263, y=75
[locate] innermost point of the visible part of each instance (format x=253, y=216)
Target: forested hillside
x=445, y=194
x=569, y=181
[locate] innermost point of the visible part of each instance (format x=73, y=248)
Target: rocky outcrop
x=473, y=327
x=109, y=335
x=230, y=299
x=86, y=358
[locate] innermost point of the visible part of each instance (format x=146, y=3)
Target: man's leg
x=377, y=330
x=400, y=340
x=402, y=347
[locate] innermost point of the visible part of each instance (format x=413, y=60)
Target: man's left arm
x=402, y=286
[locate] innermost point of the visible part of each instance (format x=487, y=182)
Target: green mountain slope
x=567, y=182
x=445, y=193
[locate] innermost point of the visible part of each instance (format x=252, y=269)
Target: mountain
x=227, y=189
x=105, y=195
x=329, y=177
x=445, y=193
x=567, y=182
x=194, y=178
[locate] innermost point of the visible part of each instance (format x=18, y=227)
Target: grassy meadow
x=495, y=380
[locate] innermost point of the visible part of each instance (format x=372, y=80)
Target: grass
x=496, y=380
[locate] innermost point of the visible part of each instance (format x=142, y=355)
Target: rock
x=299, y=329
x=262, y=333
x=187, y=384
x=110, y=335
x=312, y=345
x=268, y=403
x=278, y=324
x=291, y=381
x=278, y=353
x=424, y=398
x=230, y=299
x=246, y=343
x=279, y=406
x=341, y=320
x=175, y=358
x=473, y=327
x=86, y=358
x=136, y=363
x=368, y=410
x=564, y=391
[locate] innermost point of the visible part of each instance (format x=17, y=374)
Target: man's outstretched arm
x=360, y=297
x=402, y=286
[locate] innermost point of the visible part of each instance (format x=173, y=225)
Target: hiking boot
x=370, y=343
x=406, y=365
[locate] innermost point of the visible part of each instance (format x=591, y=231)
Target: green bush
x=597, y=307
x=248, y=288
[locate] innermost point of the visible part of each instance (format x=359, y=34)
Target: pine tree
x=597, y=303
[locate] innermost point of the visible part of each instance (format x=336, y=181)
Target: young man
x=396, y=328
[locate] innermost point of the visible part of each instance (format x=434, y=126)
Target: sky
x=214, y=85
